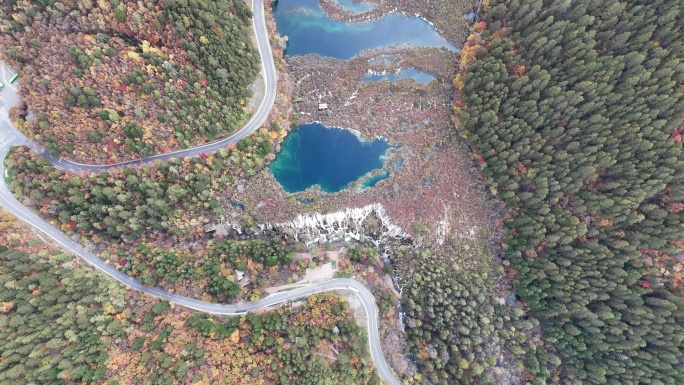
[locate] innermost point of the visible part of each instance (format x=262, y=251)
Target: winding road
x=268, y=73
x=9, y=137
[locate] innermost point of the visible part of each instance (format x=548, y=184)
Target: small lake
x=328, y=157
x=470, y=16
x=420, y=77
x=351, y=5
x=373, y=180
x=310, y=30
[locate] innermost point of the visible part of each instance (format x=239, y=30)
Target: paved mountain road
x=11, y=204
x=9, y=137
x=268, y=73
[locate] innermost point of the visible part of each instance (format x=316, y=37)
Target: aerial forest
x=575, y=110
x=131, y=201
x=460, y=326
x=63, y=323
x=106, y=81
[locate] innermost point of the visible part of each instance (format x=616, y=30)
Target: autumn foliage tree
x=62, y=322
x=127, y=78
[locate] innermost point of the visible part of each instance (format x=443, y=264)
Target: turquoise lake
x=328, y=157
x=310, y=30
x=412, y=73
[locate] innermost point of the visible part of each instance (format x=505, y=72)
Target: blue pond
x=328, y=157
x=352, y=5
x=470, y=16
x=310, y=30
x=420, y=77
x=372, y=181
x=236, y=205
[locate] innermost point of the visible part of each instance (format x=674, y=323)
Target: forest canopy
x=128, y=79
x=576, y=110
x=62, y=322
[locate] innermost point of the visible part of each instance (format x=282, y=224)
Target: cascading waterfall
x=346, y=225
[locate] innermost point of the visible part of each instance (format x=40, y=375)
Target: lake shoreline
x=331, y=158
x=433, y=185
x=310, y=29
x=455, y=30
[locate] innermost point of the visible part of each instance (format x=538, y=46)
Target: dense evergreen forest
x=208, y=269
x=459, y=325
x=108, y=80
x=137, y=214
x=131, y=201
x=61, y=323
x=576, y=109
x=56, y=319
